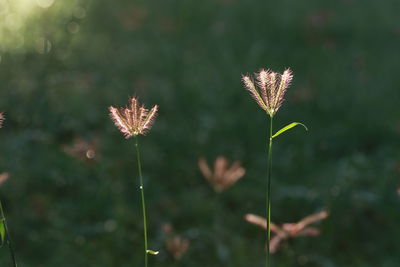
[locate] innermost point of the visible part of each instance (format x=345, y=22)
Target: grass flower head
x=271, y=88
x=134, y=119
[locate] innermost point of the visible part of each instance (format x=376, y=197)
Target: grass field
x=62, y=66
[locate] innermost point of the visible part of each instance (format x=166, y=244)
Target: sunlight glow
x=22, y=23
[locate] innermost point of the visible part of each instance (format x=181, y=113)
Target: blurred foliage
x=63, y=62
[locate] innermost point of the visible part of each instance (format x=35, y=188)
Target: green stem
x=7, y=236
x=143, y=202
x=269, y=167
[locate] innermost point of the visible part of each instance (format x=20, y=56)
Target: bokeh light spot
x=79, y=12
x=42, y=45
x=90, y=154
x=73, y=27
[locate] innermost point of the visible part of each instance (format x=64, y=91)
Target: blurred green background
x=62, y=63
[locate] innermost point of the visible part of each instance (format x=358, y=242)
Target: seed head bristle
x=134, y=107
x=272, y=87
x=149, y=120
x=133, y=119
x=142, y=116
x=285, y=81
x=249, y=85
x=119, y=118
x=262, y=81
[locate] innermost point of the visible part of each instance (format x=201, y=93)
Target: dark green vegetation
x=187, y=57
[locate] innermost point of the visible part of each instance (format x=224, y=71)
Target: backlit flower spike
x=149, y=120
x=248, y=83
x=272, y=87
x=133, y=119
x=262, y=81
x=119, y=120
x=285, y=80
x=1, y=119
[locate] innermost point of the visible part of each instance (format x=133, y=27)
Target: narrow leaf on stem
x=152, y=252
x=288, y=127
x=2, y=232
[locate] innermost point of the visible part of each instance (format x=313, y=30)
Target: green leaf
x=288, y=127
x=2, y=233
x=152, y=252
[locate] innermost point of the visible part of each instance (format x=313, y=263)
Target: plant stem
x=7, y=236
x=269, y=167
x=143, y=202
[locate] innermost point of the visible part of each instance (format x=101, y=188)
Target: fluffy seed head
x=134, y=119
x=271, y=88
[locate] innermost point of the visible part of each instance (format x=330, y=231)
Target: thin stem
x=269, y=167
x=7, y=236
x=143, y=202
